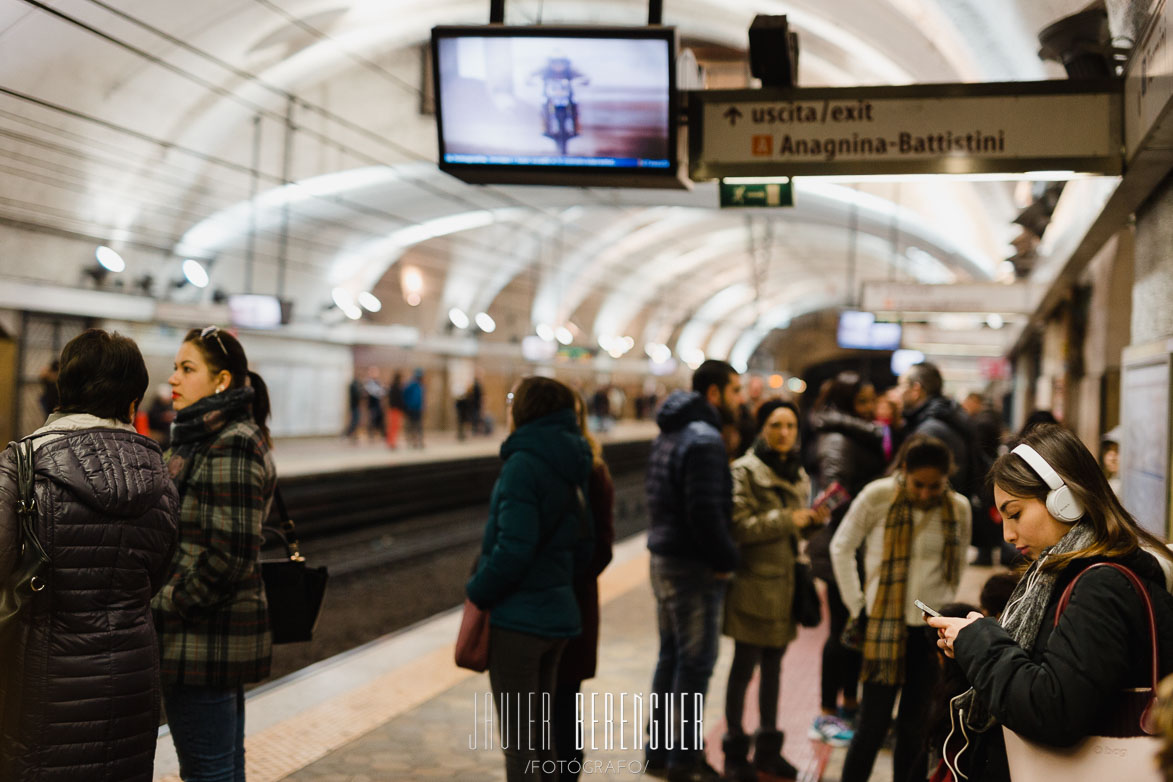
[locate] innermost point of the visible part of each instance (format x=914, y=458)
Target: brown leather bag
x=472, y=642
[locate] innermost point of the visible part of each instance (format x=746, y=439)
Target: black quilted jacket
x=79, y=688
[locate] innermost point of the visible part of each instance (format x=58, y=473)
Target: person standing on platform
x=413, y=408
x=580, y=658
x=373, y=390
x=537, y=539
x=771, y=494
x=355, y=397
x=211, y=616
x=690, y=505
x=914, y=530
x=79, y=682
x=848, y=452
x=1054, y=675
x=395, y=409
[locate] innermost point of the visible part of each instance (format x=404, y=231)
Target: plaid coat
x=211, y=615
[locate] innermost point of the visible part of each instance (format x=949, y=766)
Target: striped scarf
x=886, y=635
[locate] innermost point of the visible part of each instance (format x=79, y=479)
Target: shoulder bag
x=293, y=590
x=1127, y=747
x=472, y=640
x=31, y=571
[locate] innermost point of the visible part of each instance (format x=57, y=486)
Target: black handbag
x=293, y=590
x=806, y=607
x=31, y=572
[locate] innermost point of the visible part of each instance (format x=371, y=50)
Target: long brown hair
x=1116, y=531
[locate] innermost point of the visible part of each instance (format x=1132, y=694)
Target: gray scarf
x=1024, y=615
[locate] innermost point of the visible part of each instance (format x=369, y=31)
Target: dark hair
x=101, y=374
x=922, y=450
x=996, y=593
x=1037, y=418
x=223, y=352
x=539, y=396
x=769, y=406
x=928, y=376
x=712, y=373
x=1116, y=531
x=840, y=392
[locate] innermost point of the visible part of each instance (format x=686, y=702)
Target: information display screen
x=543, y=100
x=859, y=331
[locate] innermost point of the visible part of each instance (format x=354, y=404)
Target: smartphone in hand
x=831, y=497
x=926, y=609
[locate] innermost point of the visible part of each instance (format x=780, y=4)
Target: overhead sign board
x=981, y=297
x=916, y=129
x=1148, y=85
x=738, y=194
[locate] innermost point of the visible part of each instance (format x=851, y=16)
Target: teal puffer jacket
x=534, y=540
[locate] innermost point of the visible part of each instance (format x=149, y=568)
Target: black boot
x=737, y=767
x=767, y=755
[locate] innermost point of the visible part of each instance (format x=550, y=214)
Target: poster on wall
x=1144, y=450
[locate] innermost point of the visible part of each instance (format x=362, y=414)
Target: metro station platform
x=298, y=456
x=399, y=710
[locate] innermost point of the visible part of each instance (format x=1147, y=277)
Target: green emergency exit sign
x=739, y=193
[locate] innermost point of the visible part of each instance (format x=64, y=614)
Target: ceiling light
x=411, y=280
x=195, y=273
x=545, y=332
x=343, y=299
x=110, y=260
x=369, y=301
x=563, y=335
x=486, y=323
x=458, y=318
x=352, y=312
x=995, y=321
x=413, y=299
x=796, y=384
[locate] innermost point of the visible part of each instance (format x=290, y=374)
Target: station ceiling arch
x=170, y=130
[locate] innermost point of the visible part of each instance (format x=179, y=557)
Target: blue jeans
x=207, y=726
x=689, y=597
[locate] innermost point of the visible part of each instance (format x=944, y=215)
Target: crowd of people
x=126, y=569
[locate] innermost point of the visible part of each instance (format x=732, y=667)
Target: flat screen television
x=581, y=106
x=859, y=331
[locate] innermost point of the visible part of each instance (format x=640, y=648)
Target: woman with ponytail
x=211, y=615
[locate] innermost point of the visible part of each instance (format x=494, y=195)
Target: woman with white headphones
x=1055, y=677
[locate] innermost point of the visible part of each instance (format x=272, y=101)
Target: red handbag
x=472, y=642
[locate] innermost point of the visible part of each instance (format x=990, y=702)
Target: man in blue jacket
x=690, y=504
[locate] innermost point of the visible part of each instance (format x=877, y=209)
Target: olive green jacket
x=758, y=607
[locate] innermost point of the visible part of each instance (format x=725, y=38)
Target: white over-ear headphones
x=1061, y=503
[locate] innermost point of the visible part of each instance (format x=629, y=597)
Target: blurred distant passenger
x=1037, y=418
x=476, y=407
x=747, y=428
x=374, y=392
x=690, y=499
x=927, y=411
x=212, y=616
x=395, y=409
x=913, y=530
x=771, y=493
x=849, y=453
x=79, y=683
x=987, y=427
x=580, y=658
x=1110, y=464
x=601, y=409
x=48, y=379
x=413, y=408
x=355, y=393
x=996, y=593
x=537, y=539
x=888, y=419
x=160, y=415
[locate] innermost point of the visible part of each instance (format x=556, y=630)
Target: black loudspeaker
x=1082, y=43
x=773, y=51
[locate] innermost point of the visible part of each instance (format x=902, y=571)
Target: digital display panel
x=544, y=100
x=859, y=331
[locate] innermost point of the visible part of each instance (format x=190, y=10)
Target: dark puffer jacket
x=534, y=543
x=690, y=489
x=1057, y=693
x=944, y=419
x=848, y=451
x=80, y=692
